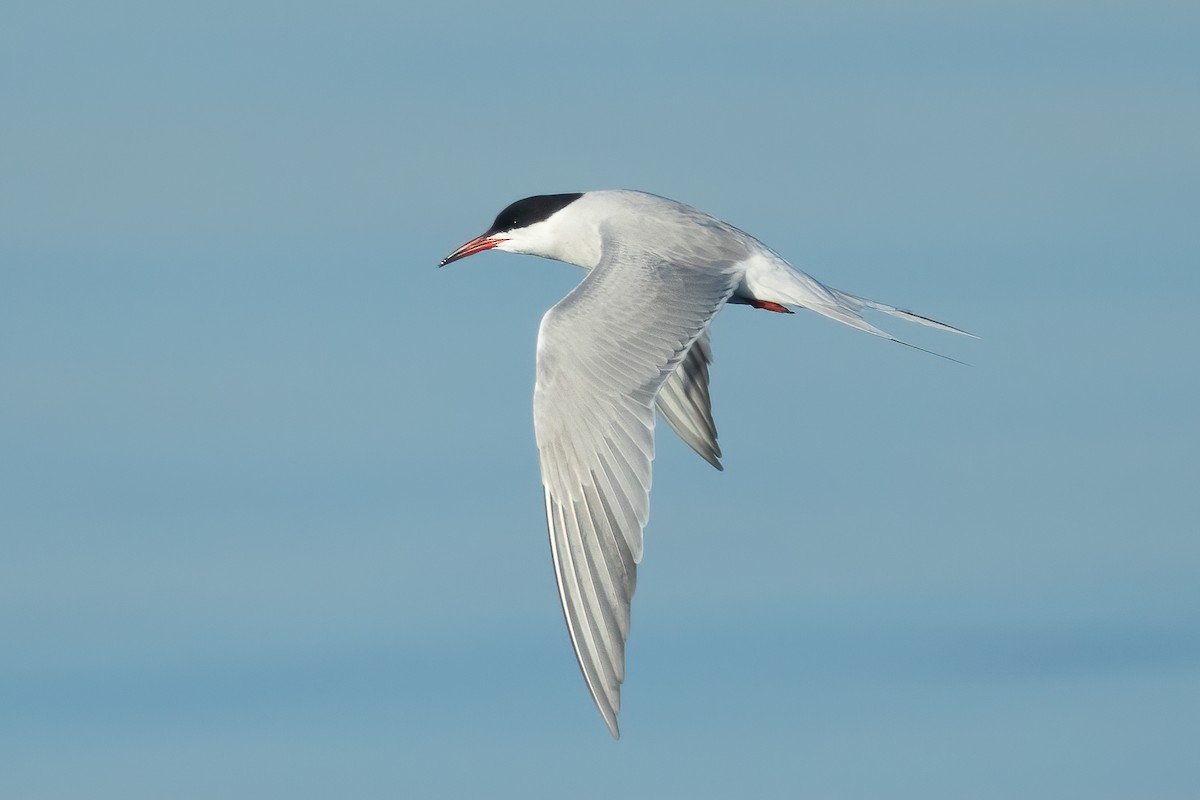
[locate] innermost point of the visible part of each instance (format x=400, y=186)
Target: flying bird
x=630, y=339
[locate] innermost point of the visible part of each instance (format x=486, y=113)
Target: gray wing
x=604, y=352
x=685, y=404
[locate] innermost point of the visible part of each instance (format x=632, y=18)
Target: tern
x=631, y=339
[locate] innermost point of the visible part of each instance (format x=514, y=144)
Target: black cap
x=524, y=213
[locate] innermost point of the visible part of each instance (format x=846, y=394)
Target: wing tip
x=613, y=728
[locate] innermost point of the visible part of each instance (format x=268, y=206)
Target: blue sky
x=270, y=515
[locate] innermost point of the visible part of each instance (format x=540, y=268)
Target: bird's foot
x=767, y=305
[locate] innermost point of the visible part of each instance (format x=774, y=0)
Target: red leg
x=767, y=305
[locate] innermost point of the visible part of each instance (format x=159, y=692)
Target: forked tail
x=857, y=304
x=801, y=289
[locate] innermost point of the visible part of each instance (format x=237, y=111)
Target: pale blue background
x=271, y=520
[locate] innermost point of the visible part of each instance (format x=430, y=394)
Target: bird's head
x=547, y=225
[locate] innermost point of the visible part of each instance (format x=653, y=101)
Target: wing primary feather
x=686, y=405
x=613, y=561
x=600, y=598
x=571, y=605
